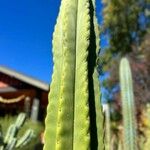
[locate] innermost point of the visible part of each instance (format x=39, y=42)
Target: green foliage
x=129, y=120
x=126, y=22
x=74, y=116
x=125, y=25
x=21, y=134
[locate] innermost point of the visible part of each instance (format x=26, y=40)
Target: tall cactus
x=74, y=116
x=130, y=142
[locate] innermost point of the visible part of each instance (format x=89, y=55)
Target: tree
x=127, y=25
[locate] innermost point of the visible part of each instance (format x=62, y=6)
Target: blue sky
x=26, y=28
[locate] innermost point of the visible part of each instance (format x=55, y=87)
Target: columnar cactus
x=74, y=117
x=130, y=142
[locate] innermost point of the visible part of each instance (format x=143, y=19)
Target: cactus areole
x=74, y=118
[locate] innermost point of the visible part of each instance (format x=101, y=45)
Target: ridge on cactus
x=129, y=120
x=74, y=117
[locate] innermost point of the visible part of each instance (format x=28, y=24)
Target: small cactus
x=11, y=132
x=11, y=144
x=11, y=141
x=129, y=119
x=20, y=120
x=29, y=134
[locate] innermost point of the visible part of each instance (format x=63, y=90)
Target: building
x=19, y=93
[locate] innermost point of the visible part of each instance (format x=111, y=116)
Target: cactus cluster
x=11, y=141
x=74, y=117
x=129, y=119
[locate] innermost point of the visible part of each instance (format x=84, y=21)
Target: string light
x=13, y=100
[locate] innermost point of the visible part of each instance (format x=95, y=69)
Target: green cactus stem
x=74, y=117
x=11, y=144
x=20, y=120
x=129, y=120
x=29, y=134
x=11, y=132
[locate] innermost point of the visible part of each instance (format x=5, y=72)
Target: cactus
x=25, y=138
x=20, y=120
x=129, y=121
x=11, y=144
x=11, y=141
x=74, y=117
x=11, y=132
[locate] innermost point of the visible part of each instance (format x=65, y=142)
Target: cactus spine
x=74, y=117
x=130, y=142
